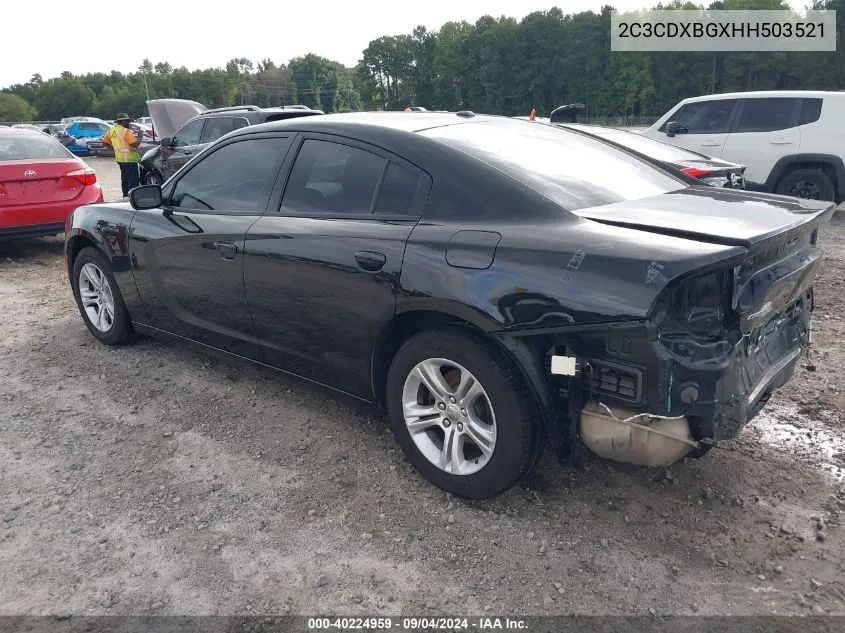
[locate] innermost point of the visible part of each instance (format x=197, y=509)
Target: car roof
x=760, y=94
x=19, y=131
x=239, y=110
x=399, y=121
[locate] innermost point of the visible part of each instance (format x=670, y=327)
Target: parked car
x=186, y=127
x=41, y=182
x=144, y=120
x=147, y=132
x=97, y=147
x=54, y=129
x=791, y=141
x=85, y=132
x=491, y=284
x=27, y=126
x=706, y=169
x=73, y=119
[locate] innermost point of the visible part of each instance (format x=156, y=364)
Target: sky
x=206, y=35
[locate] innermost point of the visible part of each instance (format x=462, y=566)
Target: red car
x=41, y=183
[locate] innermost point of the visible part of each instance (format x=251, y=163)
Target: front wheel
x=153, y=178
x=98, y=297
x=460, y=412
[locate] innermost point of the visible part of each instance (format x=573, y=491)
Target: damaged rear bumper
x=721, y=396
x=631, y=369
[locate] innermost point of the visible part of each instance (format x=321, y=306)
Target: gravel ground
x=108, y=175
x=150, y=479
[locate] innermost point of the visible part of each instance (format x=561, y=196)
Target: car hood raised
x=169, y=115
x=719, y=216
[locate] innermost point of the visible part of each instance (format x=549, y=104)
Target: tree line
x=496, y=65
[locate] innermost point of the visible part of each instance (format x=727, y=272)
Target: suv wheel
x=460, y=412
x=807, y=183
x=153, y=178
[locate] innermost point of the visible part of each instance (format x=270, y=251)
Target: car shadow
x=31, y=248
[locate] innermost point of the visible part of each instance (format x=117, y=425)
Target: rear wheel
x=460, y=412
x=98, y=297
x=811, y=184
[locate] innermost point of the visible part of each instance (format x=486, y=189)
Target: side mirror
x=145, y=197
x=673, y=128
x=166, y=142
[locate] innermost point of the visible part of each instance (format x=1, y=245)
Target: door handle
x=226, y=250
x=370, y=260
x=710, y=143
x=781, y=141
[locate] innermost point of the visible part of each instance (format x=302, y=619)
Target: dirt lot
x=151, y=479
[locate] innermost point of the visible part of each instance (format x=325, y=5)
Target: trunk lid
x=775, y=273
x=718, y=216
x=169, y=115
x=36, y=182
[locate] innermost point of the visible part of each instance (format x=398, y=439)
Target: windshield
x=642, y=144
x=574, y=170
x=31, y=147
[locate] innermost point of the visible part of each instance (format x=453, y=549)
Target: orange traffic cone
x=533, y=115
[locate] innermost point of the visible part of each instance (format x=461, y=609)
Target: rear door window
x=811, y=110
x=767, y=115
x=216, y=127
x=332, y=179
x=398, y=192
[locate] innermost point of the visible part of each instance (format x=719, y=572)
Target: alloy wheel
x=449, y=416
x=97, y=297
x=805, y=189
x=153, y=179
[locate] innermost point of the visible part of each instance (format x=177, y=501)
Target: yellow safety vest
x=122, y=152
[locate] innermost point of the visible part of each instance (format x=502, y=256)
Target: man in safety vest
x=125, y=145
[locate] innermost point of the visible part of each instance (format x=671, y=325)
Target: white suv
x=791, y=141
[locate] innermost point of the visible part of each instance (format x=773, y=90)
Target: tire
x=510, y=440
x=807, y=183
x=90, y=267
x=153, y=178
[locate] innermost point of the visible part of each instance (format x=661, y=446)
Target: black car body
x=709, y=170
x=344, y=248
x=185, y=128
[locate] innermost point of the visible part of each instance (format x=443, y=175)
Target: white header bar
x=746, y=30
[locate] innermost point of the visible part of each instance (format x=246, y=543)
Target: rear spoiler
x=566, y=113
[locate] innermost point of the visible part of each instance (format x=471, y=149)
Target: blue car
x=83, y=131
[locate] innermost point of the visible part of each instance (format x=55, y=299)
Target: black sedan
x=478, y=278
